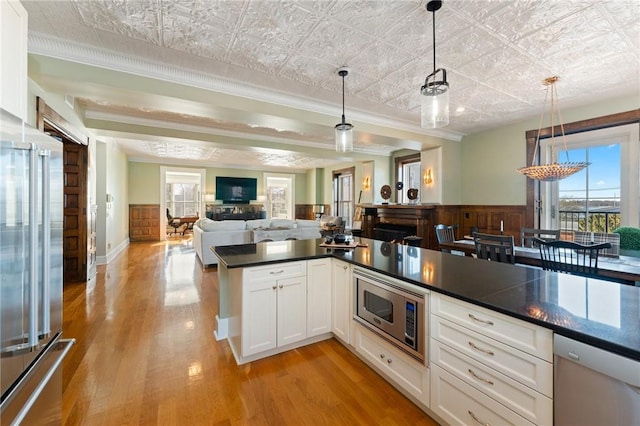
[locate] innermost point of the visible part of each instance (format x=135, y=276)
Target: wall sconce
x=428, y=177
x=366, y=183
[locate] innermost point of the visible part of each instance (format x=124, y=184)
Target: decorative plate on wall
x=385, y=192
x=412, y=193
x=399, y=186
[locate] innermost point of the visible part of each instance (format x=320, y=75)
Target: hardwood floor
x=145, y=354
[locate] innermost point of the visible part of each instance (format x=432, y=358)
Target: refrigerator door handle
x=32, y=330
x=59, y=352
x=46, y=242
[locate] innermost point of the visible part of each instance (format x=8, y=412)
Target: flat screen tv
x=236, y=190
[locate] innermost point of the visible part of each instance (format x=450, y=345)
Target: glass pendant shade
x=434, y=95
x=344, y=130
x=435, y=102
x=344, y=137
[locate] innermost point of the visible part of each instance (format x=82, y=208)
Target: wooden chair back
x=527, y=236
x=590, y=238
x=497, y=248
x=446, y=234
x=570, y=257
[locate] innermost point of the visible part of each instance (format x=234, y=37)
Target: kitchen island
x=599, y=313
x=489, y=329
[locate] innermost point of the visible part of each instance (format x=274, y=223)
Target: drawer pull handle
x=480, y=378
x=389, y=361
x=473, y=317
x=476, y=419
x=486, y=351
x=277, y=272
x=274, y=287
x=381, y=356
x=280, y=286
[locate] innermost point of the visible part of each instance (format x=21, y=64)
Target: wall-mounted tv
x=236, y=190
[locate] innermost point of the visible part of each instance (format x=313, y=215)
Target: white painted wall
x=13, y=58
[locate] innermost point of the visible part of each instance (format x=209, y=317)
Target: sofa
x=208, y=233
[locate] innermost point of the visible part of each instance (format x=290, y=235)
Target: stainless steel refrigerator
x=31, y=225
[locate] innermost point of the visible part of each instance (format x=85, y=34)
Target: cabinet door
x=259, y=314
x=319, y=279
x=292, y=310
x=341, y=300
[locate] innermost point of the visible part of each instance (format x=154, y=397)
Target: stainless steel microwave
x=393, y=312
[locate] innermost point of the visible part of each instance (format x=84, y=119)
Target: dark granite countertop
x=596, y=312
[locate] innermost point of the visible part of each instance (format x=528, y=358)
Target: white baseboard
x=222, y=328
x=104, y=260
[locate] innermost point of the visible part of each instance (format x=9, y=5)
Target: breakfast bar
x=530, y=294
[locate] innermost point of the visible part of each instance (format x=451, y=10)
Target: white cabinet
x=13, y=58
x=488, y=367
x=274, y=307
x=341, y=300
x=460, y=404
x=407, y=373
x=319, y=280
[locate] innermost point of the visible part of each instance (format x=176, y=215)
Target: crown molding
x=45, y=45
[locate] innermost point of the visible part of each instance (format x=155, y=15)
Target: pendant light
x=435, y=92
x=344, y=130
x=552, y=171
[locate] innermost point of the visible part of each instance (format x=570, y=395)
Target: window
x=603, y=196
x=279, y=190
x=343, y=194
x=182, y=199
x=541, y=210
x=407, y=172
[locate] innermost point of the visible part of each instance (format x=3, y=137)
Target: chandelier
x=553, y=171
x=344, y=130
x=435, y=92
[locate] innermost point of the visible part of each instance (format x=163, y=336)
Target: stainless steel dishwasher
x=593, y=386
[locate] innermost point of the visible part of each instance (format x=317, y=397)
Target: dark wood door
x=75, y=212
x=76, y=173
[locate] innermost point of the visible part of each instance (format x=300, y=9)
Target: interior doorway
x=78, y=248
x=280, y=192
x=181, y=194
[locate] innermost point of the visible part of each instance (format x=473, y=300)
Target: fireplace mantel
x=417, y=216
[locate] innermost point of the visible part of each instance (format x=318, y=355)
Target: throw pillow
x=302, y=223
x=257, y=223
x=283, y=223
x=224, y=225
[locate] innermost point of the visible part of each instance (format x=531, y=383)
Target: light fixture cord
x=343, y=119
x=434, y=41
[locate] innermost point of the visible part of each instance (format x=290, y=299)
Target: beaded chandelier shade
x=552, y=171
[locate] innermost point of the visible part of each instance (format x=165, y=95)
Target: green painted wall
x=144, y=178
x=489, y=159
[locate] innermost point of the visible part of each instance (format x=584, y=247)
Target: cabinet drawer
x=460, y=404
x=520, y=334
x=275, y=272
x=405, y=371
x=521, y=366
x=526, y=402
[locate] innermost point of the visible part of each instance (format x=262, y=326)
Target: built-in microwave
x=392, y=311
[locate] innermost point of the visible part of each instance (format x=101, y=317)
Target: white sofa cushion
x=304, y=223
x=257, y=223
x=223, y=225
x=282, y=223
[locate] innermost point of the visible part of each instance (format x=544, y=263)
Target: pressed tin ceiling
x=286, y=54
